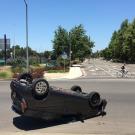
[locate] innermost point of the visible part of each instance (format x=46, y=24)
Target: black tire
x=76, y=89
x=25, y=76
x=94, y=99
x=40, y=89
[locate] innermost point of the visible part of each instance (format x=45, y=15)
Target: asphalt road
x=98, y=68
x=120, y=118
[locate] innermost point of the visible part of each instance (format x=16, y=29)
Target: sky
x=100, y=19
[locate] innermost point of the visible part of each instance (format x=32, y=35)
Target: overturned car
x=35, y=98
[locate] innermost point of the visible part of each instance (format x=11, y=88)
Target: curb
x=74, y=73
x=83, y=72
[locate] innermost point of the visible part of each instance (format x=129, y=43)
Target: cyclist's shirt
x=122, y=67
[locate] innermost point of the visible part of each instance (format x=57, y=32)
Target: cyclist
x=123, y=70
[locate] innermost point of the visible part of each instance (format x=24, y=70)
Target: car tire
x=40, y=89
x=25, y=76
x=94, y=99
x=76, y=89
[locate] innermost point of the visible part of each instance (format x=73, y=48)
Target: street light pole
x=69, y=50
x=27, y=52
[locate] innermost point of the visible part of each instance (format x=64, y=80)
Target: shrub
x=54, y=68
x=3, y=74
x=38, y=72
x=58, y=71
x=34, y=61
x=18, y=62
x=17, y=70
x=61, y=62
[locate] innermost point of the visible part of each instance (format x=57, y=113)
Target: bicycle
x=122, y=73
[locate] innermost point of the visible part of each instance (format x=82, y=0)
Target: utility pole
x=13, y=46
x=70, y=50
x=14, y=52
x=5, y=49
x=27, y=52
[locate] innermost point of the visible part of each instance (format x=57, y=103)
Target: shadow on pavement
x=28, y=123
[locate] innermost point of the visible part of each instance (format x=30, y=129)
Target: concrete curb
x=74, y=72
x=83, y=72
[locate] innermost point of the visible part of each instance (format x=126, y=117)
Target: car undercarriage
x=35, y=98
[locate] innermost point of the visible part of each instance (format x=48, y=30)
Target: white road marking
x=105, y=71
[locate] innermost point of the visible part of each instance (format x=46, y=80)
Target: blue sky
x=99, y=17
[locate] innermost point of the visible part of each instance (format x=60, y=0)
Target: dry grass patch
x=5, y=72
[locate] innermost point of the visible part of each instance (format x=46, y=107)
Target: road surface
x=120, y=118
x=98, y=68
x=120, y=94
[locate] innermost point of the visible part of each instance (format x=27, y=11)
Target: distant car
x=35, y=98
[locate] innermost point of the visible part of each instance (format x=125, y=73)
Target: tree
x=47, y=54
x=96, y=54
x=81, y=45
x=60, y=42
x=122, y=44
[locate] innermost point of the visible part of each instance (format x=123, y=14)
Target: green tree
x=47, y=54
x=122, y=44
x=81, y=45
x=60, y=42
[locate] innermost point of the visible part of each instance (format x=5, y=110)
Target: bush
x=54, y=68
x=18, y=62
x=34, y=61
x=37, y=72
x=17, y=70
x=61, y=61
x=58, y=71
x=3, y=74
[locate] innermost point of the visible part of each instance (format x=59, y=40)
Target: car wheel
x=25, y=76
x=76, y=89
x=40, y=88
x=94, y=99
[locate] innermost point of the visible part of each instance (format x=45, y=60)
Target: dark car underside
x=35, y=98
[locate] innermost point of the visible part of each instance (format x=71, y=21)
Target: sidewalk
x=73, y=73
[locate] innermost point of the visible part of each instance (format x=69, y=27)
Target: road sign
x=2, y=44
x=64, y=55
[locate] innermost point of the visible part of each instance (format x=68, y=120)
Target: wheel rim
x=95, y=99
x=41, y=88
x=78, y=90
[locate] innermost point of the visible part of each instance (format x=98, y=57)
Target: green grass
x=5, y=75
x=57, y=71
